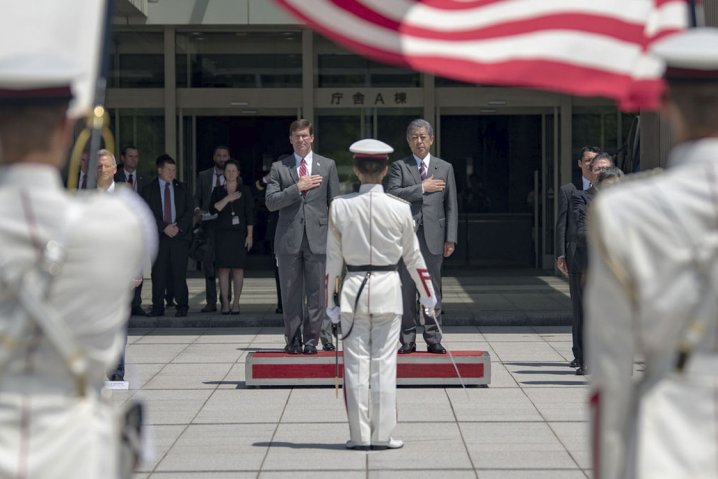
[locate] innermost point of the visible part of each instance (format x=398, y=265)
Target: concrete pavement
x=531, y=422
x=515, y=298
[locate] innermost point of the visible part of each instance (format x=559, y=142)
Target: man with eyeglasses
x=301, y=187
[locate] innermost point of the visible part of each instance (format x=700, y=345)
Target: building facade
x=187, y=75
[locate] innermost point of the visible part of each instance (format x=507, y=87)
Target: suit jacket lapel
x=291, y=164
x=433, y=167
x=413, y=169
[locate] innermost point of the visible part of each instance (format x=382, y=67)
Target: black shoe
x=310, y=349
x=436, y=348
x=137, y=311
x=407, y=348
x=581, y=371
x=156, y=313
x=279, y=310
x=181, y=313
x=295, y=347
x=209, y=308
x=573, y=364
x=117, y=377
x=328, y=347
x=171, y=303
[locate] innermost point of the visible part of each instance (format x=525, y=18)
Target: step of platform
x=264, y=368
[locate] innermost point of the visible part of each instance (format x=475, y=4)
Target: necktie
x=217, y=181
x=422, y=171
x=303, y=172
x=84, y=182
x=131, y=181
x=167, y=210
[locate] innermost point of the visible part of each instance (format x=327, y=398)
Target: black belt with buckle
x=371, y=268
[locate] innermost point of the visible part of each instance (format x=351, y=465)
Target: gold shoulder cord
x=98, y=120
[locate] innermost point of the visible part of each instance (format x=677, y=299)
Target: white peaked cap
x=370, y=148
x=691, y=54
x=50, y=49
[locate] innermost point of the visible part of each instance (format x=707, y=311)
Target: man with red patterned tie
x=171, y=204
x=301, y=187
x=208, y=180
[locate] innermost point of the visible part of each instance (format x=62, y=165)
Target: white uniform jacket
x=47, y=430
x=373, y=228
x=653, y=271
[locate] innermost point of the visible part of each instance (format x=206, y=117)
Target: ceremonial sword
x=431, y=312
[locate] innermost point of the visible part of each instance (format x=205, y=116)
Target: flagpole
x=97, y=122
x=692, y=15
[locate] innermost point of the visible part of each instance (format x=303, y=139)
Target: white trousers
x=370, y=376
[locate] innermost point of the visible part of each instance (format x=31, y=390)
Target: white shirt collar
x=309, y=159
x=424, y=160
x=373, y=187
x=110, y=188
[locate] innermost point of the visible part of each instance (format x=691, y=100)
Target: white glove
x=334, y=312
x=428, y=302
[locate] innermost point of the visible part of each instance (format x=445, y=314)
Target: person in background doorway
x=171, y=204
x=566, y=191
x=207, y=181
x=234, y=228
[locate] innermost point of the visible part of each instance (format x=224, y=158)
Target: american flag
x=579, y=47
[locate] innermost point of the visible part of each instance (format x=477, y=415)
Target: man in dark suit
x=428, y=183
x=566, y=191
x=171, y=205
x=135, y=179
x=208, y=180
x=300, y=187
x=577, y=254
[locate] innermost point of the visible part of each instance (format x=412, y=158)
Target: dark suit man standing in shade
x=428, y=183
x=171, y=204
x=301, y=187
x=576, y=254
x=208, y=180
x=132, y=177
x=564, y=204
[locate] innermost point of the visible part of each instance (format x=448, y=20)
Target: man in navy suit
x=135, y=179
x=172, y=206
x=588, y=153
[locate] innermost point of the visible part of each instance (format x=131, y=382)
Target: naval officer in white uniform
x=66, y=267
x=370, y=231
x=652, y=289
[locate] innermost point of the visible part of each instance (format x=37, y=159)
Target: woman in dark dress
x=234, y=205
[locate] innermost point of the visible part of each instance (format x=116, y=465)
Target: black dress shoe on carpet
x=181, y=313
x=436, y=348
x=407, y=348
x=573, y=364
x=294, y=347
x=310, y=349
x=581, y=371
x=328, y=347
x=137, y=311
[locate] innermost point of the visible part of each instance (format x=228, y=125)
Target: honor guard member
x=652, y=288
x=370, y=231
x=66, y=263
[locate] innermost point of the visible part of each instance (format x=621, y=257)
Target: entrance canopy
x=579, y=47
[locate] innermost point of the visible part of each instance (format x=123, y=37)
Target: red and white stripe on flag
x=579, y=47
